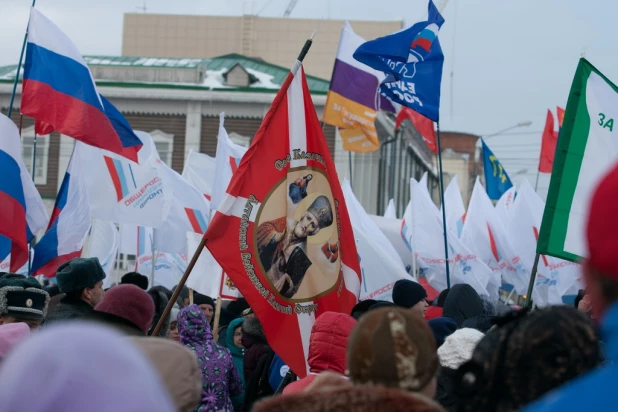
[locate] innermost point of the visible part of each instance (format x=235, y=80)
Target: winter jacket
x=220, y=381
x=349, y=399
x=69, y=309
x=254, y=341
x=594, y=391
x=462, y=303
x=327, y=348
x=238, y=356
x=445, y=392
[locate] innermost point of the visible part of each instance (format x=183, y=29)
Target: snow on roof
x=265, y=81
x=214, y=79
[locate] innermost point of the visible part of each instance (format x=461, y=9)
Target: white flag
x=200, y=172
x=228, y=158
x=390, y=212
x=504, y=205
x=455, y=209
x=104, y=243
x=392, y=229
x=168, y=267
x=123, y=191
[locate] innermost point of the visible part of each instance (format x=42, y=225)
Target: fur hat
x=130, y=303
x=392, y=347
x=361, y=307
x=134, y=278
x=321, y=209
x=458, y=347
x=407, y=293
x=22, y=298
x=79, y=274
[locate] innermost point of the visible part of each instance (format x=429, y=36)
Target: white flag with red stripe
x=282, y=233
x=200, y=172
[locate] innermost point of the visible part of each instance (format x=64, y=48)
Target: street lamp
x=515, y=126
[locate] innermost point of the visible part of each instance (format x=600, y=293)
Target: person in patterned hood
x=220, y=379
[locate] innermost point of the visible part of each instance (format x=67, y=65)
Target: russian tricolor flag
x=23, y=212
x=68, y=225
x=60, y=93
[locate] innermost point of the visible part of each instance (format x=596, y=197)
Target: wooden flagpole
x=202, y=244
x=448, y=274
x=215, y=325
x=532, y=279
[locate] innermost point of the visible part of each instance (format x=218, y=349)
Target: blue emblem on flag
x=497, y=181
x=412, y=61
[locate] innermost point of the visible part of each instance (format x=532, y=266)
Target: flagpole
x=536, y=185
x=532, y=278
x=153, y=261
x=21, y=59
x=350, y=165
x=448, y=273
x=202, y=244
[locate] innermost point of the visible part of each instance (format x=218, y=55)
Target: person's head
x=88, y=357
x=462, y=303
x=318, y=216
x=129, y=305
x=458, y=347
x=410, y=295
x=525, y=356
x=328, y=342
x=233, y=337
x=362, y=307
x=178, y=369
x=134, y=278
x=183, y=298
x=309, y=177
x=442, y=328
x=12, y=334
x=252, y=333
x=172, y=333
x=393, y=347
x=441, y=298
x=600, y=269
x=247, y=313
x=193, y=327
x=82, y=278
x=206, y=303
x=160, y=300
x=22, y=300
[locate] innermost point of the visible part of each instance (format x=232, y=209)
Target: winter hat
x=603, y=226
x=441, y=328
x=321, y=209
x=442, y=298
x=392, y=347
x=10, y=335
x=78, y=274
x=407, y=293
x=382, y=304
x=174, y=314
x=362, y=307
x=130, y=303
x=22, y=297
x=200, y=299
x=458, y=347
x=134, y=278
x=526, y=356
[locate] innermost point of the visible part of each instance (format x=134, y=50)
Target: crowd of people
x=74, y=346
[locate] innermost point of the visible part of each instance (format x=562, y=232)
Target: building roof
x=270, y=76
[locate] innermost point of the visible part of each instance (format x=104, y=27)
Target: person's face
x=238, y=337
x=32, y=323
x=307, y=226
x=172, y=333
x=95, y=294
x=208, y=311
x=420, y=308
x=186, y=301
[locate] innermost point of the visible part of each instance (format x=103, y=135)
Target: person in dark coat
x=81, y=280
x=462, y=303
x=160, y=300
x=256, y=346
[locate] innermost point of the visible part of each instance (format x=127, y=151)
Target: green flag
x=587, y=149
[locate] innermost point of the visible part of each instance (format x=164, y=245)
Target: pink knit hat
x=10, y=335
x=130, y=303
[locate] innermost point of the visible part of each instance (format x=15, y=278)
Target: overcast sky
x=512, y=60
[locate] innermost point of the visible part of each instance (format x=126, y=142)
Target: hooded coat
x=327, y=348
x=462, y=303
x=256, y=346
x=220, y=380
x=238, y=356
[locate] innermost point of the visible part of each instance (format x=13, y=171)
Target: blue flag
x=412, y=60
x=497, y=181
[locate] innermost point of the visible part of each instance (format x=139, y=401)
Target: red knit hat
x=602, y=229
x=130, y=303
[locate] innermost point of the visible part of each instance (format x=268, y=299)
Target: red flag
x=282, y=232
x=548, y=146
x=423, y=125
x=560, y=113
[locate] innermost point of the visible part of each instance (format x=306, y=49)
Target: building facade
x=272, y=39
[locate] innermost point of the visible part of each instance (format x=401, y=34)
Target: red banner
x=548, y=146
x=423, y=125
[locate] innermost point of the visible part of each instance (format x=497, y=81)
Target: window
x=165, y=145
x=42, y=154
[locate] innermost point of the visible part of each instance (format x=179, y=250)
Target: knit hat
x=321, y=209
x=442, y=328
x=526, y=356
x=458, y=347
x=22, y=298
x=79, y=274
x=130, y=303
x=392, y=347
x=10, y=335
x=200, y=299
x=361, y=307
x=407, y=293
x=603, y=226
x=134, y=278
